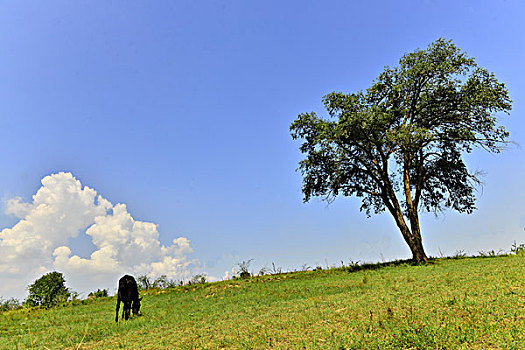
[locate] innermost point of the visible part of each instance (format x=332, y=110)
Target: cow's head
x=136, y=306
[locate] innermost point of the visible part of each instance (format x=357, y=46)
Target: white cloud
x=62, y=209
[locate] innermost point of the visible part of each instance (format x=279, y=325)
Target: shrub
x=517, y=249
x=198, y=279
x=459, y=254
x=144, y=283
x=100, y=293
x=275, y=269
x=163, y=282
x=305, y=267
x=490, y=253
x=9, y=304
x=243, y=269
x=48, y=290
x=263, y=271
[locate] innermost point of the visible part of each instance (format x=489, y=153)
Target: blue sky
x=181, y=110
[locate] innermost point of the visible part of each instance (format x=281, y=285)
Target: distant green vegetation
x=48, y=290
x=463, y=303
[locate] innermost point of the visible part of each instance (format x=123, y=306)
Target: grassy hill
x=471, y=303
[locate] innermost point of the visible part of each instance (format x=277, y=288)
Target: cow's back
x=127, y=288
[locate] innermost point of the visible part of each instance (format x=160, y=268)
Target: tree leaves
x=400, y=142
x=48, y=290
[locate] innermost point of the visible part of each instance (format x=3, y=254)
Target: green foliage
x=264, y=271
x=9, y=304
x=398, y=145
x=244, y=269
x=459, y=254
x=198, y=279
x=469, y=303
x=48, y=290
x=162, y=282
x=491, y=253
x=420, y=115
x=144, y=282
x=100, y=293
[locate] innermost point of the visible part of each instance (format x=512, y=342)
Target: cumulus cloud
x=62, y=209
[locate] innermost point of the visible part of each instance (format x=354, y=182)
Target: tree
x=398, y=145
x=48, y=290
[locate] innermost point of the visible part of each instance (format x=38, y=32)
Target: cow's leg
x=133, y=307
x=118, y=306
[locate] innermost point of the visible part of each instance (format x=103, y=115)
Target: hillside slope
x=472, y=303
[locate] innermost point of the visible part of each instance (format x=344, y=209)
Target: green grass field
x=471, y=303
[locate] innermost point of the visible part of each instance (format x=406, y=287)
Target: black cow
x=129, y=295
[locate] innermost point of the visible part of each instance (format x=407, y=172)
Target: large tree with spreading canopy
x=399, y=145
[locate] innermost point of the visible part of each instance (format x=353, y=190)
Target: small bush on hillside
x=352, y=266
x=198, y=279
x=276, y=270
x=459, y=254
x=145, y=283
x=100, y=293
x=244, y=269
x=163, y=282
x=9, y=304
x=48, y=290
x=517, y=249
x=305, y=267
x=263, y=271
x=490, y=254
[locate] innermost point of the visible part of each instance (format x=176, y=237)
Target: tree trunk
x=414, y=241
x=416, y=246
x=411, y=237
